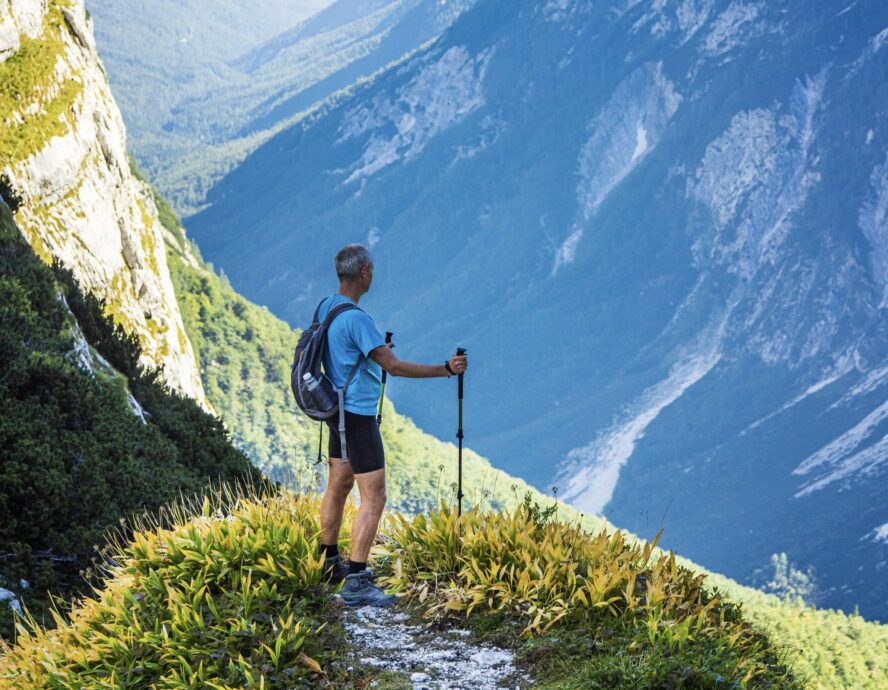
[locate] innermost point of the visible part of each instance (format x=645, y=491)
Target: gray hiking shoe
x=359, y=590
x=335, y=570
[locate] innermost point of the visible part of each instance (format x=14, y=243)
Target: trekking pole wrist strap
x=450, y=372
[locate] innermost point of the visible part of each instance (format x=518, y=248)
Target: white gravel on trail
x=433, y=660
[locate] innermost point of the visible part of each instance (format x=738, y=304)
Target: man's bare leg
x=340, y=481
x=371, y=486
x=359, y=588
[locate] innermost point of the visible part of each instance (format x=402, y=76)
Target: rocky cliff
x=65, y=172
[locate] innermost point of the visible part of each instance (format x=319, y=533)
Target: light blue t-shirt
x=352, y=334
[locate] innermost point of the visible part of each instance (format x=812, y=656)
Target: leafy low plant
x=555, y=577
x=223, y=592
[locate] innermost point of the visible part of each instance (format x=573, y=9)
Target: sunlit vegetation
x=626, y=615
x=226, y=592
x=219, y=593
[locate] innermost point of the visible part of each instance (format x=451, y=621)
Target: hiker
x=354, y=338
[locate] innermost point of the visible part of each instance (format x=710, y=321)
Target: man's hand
x=459, y=364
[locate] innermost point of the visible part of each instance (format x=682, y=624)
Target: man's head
x=354, y=266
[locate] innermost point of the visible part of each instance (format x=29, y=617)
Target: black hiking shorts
x=365, y=453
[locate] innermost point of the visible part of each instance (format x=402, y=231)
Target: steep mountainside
x=660, y=227
x=223, y=78
x=63, y=169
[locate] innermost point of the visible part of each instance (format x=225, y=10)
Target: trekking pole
x=459, y=435
x=388, y=340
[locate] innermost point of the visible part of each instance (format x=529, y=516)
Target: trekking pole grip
x=459, y=352
x=388, y=339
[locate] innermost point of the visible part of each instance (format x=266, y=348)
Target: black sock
x=329, y=550
x=355, y=567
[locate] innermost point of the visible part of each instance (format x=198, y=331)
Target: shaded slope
x=87, y=436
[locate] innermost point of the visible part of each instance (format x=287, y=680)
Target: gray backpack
x=315, y=393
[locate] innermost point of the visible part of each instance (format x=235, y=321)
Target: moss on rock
x=33, y=104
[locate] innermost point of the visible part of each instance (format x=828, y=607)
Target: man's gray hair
x=350, y=260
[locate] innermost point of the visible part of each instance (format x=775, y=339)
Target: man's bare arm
x=389, y=361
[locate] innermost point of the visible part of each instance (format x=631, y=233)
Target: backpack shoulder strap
x=340, y=392
x=314, y=319
x=336, y=311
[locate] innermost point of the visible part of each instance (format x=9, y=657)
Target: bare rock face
x=77, y=199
